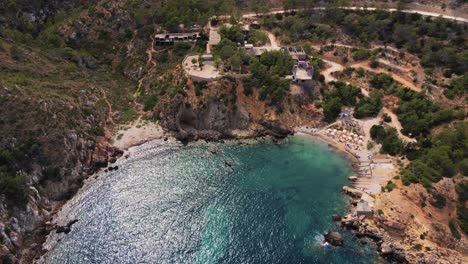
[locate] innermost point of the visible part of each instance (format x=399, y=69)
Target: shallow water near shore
x=182, y=204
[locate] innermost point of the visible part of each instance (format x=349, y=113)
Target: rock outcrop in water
x=66, y=228
x=334, y=238
x=336, y=217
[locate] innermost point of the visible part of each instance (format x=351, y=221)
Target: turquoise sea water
x=181, y=204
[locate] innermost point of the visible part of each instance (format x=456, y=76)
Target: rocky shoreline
x=105, y=157
x=365, y=227
x=361, y=227
x=106, y=154
x=24, y=244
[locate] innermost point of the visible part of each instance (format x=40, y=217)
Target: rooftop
x=363, y=207
x=175, y=37
x=185, y=34
x=302, y=74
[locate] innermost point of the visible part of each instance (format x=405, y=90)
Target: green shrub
x=16, y=53
x=182, y=48
x=331, y=109
x=462, y=210
x=387, y=118
x=258, y=37
x=150, y=103
x=248, y=85
x=96, y=130
x=341, y=94
x=128, y=115
x=390, y=186
x=439, y=201
x=14, y=188
x=463, y=167
x=453, y=228
x=389, y=139
x=382, y=81
x=361, y=54
x=458, y=87
x=199, y=87
x=369, y=106
x=51, y=174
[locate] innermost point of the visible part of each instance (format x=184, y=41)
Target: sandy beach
x=372, y=171
x=137, y=133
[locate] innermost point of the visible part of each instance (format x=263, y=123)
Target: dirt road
x=396, y=77
x=334, y=68
x=416, y=9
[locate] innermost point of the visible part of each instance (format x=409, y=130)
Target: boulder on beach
x=336, y=217
x=334, y=238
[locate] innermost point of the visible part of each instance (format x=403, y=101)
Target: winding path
x=110, y=113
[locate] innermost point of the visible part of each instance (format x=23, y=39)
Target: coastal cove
x=253, y=202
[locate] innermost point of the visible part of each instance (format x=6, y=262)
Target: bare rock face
x=276, y=130
x=102, y=157
x=334, y=238
x=4, y=251
x=395, y=225
x=386, y=248
x=393, y=253
x=352, y=192
x=213, y=121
